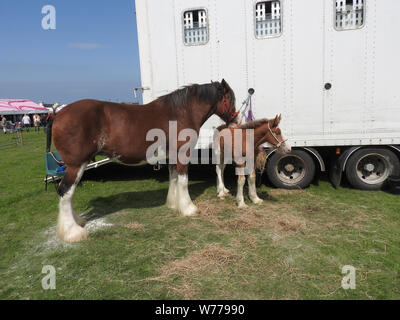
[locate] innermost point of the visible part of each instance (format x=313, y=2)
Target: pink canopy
x=22, y=106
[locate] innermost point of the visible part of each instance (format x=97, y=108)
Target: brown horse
x=265, y=132
x=89, y=127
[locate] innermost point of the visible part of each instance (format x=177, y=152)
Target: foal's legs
x=185, y=204
x=69, y=227
x=252, y=188
x=239, y=194
x=222, y=191
x=173, y=185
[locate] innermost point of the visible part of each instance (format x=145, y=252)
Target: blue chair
x=53, y=163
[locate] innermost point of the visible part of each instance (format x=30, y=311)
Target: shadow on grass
x=103, y=206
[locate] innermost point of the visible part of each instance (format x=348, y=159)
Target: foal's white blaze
x=185, y=204
x=172, y=197
x=68, y=228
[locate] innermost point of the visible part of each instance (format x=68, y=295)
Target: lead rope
x=250, y=116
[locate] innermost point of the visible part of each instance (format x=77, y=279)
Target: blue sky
x=92, y=53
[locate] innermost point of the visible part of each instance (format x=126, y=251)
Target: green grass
x=293, y=246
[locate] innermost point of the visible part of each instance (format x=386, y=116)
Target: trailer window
x=267, y=19
x=195, y=27
x=349, y=14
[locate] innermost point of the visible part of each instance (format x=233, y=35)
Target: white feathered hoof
x=171, y=204
x=73, y=234
x=190, y=210
x=242, y=205
x=221, y=195
x=257, y=201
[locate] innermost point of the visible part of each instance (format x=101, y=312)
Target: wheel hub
x=369, y=167
x=289, y=167
x=372, y=168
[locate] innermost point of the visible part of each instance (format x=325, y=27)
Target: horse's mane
x=209, y=93
x=249, y=125
x=254, y=124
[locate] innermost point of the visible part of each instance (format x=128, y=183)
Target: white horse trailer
x=330, y=67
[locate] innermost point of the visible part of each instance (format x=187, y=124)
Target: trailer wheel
x=291, y=171
x=368, y=169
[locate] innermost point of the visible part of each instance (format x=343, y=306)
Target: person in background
x=26, y=122
x=36, y=122
x=4, y=124
x=43, y=122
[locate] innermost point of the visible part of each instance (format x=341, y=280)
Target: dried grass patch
x=134, y=226
x=279, y=192
x=211, y=259
x=244, y=219
x=288, y=223
x=210, y=256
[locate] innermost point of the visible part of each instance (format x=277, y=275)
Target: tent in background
x=20, y=106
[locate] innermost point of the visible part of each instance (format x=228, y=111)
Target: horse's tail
x=50, y=119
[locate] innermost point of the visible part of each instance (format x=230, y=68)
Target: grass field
x=293, y=246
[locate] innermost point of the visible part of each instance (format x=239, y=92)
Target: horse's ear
x=225, y=85
x=276, y=121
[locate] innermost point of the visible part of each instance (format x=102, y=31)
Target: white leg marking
x=172, y=197
x=68, y=228
x=185, y=204
x=239, y=195
x=221, y=190
x=252, y=188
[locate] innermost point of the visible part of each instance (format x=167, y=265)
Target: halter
x=276, y=138
x=232, y=114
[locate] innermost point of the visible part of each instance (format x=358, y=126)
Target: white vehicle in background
x=330, y=67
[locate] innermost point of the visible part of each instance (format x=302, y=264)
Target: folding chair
x=53, y=161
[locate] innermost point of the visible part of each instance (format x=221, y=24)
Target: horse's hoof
x=190, y=210
x=257, y=201
x=221, y=195
x=171, y=206
x=74, y=234
x=226, y=191
x=242, y=205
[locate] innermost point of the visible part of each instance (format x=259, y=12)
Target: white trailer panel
x=287, y=52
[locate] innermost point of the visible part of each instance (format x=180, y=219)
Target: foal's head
x=275, y=138
x=226, y=105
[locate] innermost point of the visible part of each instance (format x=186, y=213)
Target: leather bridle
x=225, y=105
x=279, y=143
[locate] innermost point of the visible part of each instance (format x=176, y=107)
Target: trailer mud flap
x=339, y=165
x=335, y=173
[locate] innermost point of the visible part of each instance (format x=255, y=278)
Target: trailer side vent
x=195, y=27
x=268, y=19
x=349, y=14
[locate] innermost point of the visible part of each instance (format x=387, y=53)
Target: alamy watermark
x=235, y=149
x=49, y=20
x=49, y=280
x=349, y=280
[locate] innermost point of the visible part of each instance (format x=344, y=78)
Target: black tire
x=258, y=179
x=300, y=173
x=369, y=168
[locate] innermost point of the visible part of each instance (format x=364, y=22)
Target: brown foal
x=265, y=132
